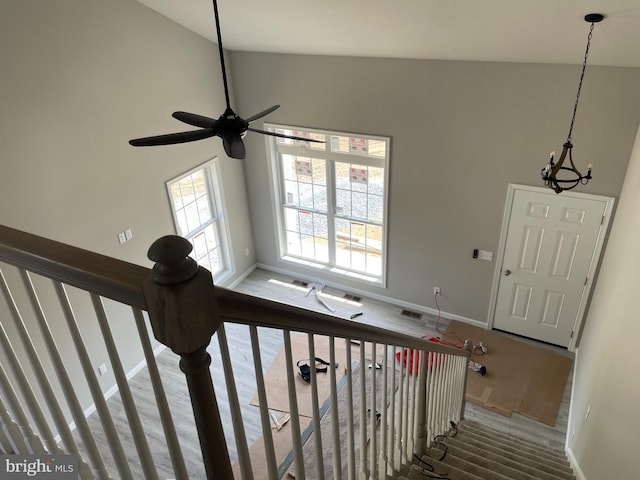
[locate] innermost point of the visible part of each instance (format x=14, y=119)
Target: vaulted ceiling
x=531, y=31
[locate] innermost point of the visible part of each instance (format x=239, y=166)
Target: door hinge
x=586, y=280
x=602, y=221
x=571, y=336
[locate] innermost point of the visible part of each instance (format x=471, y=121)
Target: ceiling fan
x=230, y=127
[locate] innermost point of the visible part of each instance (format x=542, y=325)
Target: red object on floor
x=407, y=356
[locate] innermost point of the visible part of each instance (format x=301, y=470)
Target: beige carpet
x=521, y=377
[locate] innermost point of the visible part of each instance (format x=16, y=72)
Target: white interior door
x=551, y=243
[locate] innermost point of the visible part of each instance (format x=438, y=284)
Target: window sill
x=337, y=271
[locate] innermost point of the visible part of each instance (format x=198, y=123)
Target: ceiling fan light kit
x=229, y=126
x=570, y=177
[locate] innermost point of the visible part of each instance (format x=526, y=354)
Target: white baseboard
x=375, y=296
x=237, y=281
x=575, y=465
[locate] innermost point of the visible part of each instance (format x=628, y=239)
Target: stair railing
x=416, y=392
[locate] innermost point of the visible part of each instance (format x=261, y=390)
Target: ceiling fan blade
x=282, y=135
x=194, y=119
x=264, y=113
x=172, y=138
x=234, y=146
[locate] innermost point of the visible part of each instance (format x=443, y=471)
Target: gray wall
x=79, y=79
x=461, y=131
x=606, y=377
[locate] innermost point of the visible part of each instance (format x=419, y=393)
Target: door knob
x=507, y=273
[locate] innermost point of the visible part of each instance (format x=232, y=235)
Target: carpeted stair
x=479, y=452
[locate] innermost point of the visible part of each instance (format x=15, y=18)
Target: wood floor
x=278, y=287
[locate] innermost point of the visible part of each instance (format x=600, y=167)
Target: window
x=331, y=200
x=196, y=203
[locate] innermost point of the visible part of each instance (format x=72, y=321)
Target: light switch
x=128, y=234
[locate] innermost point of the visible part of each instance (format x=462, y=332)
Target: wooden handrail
x=242, y=308
x=122, y=281
x=90, y=271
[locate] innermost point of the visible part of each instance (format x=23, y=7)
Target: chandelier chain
x=584, y=67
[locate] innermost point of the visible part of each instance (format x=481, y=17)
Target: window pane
x=181, y=218
x=377, y=148
x=204, y=210
x=187, y=190
x=306, y=234
x=193, y=199
x=193, y=220
x=176, y=195
x=350, y=205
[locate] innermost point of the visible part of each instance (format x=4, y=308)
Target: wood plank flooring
x=276, y=287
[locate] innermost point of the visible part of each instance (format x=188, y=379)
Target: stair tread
x=561, y=463
x=512, y=462
x=415, y=473
x=487, y=429
x=512, y=469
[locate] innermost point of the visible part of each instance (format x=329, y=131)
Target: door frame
x=595, y=259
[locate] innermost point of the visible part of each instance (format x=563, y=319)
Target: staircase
x=480, y=452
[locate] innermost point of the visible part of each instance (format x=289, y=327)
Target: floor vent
x=410, y=314
x=353, y=298
x=300, y=283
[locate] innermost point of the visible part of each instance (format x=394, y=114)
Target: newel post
x=183, y=312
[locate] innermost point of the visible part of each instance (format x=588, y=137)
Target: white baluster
x=316, y=409
x=272, y=468
x=173, y=445
x=406, y=455
x=66, y=386
x=139, y=438
x=31, y=443
x=41, y=377
x=373, y=450
x=392, y=417
x=335, y=420
x=421, y=410
x=244, y=460
x=363, y=473
x=94, y=387
x=351, y=455
x=8, y=430
x=382, y=458
x=293, y=409
x=429, y=398
x=411, y=433
x=11, y=430
x=398, y=427
x=451, y=388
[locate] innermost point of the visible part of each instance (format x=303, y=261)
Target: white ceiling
x=532, y=31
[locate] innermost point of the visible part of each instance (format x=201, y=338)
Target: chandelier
x=555, y=175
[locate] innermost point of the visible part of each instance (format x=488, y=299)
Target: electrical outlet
x=436, y=291
x=128, y=234
x=122, y=238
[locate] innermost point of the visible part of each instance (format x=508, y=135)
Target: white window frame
x=277, y=181
x=213, y=183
